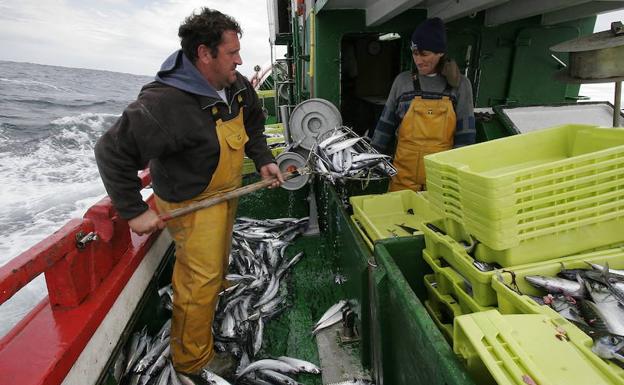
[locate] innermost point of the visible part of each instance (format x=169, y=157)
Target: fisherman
x=427, y=111
x=192, y=126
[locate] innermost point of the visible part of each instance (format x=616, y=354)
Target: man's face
x=426, y=61
x=221, y=70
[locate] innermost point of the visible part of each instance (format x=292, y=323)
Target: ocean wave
x=29, y=82
x=78, y=103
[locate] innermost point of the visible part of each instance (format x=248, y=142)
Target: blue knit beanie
x=430, y=35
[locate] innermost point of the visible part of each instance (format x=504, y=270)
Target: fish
x=355, y=381
x=276, y=365
x=277, y=378
x=303, y=366
x=335, y=308
x=333, y=138
x=152, y=355
x=137, y=346
x=606, y=307
x=555, y=285
x=407, y=229
x=608, y=347
x=339, y=146
x=598, y=267
x=119, y=366
x=332, y=320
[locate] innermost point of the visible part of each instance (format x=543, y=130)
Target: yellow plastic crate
x=442, y=307
x=524, y=349
x=534, y=185
x=450, y=282
x=444, y=247
x=362, y=233
x=380, y=215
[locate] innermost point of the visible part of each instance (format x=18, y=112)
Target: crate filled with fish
x=517, y=349
x=536, y=196
x=394, y=214
x=340, y=154
x=585, y=293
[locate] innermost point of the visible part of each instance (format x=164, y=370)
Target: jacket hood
x=178, y=71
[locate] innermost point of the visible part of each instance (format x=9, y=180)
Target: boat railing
x=75, y=259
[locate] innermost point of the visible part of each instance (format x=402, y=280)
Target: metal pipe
x=617, y=104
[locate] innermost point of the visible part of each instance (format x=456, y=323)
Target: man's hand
x=146, y=223
x=270, y=170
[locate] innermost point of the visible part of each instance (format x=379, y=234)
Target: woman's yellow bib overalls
x=427, y=127
x=203, y=240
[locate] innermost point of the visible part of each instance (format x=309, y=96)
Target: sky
x=132, y=36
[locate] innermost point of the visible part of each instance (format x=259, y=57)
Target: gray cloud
x=117, y=35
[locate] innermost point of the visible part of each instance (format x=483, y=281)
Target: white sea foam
x=28, y=82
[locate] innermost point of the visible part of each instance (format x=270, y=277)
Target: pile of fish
x=257, y=293
x=593, y=299
x=341, y=153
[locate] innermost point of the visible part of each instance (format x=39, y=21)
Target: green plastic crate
x=522, y=349
x=380, y=214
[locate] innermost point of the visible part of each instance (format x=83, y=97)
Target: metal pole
x=617, y=104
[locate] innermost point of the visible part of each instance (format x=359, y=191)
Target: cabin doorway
x=369, y=63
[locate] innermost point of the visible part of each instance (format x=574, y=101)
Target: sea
x=50, y=119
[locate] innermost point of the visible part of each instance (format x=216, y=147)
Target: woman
x=428, y=110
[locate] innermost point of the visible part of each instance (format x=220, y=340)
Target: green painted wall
x=507, y=64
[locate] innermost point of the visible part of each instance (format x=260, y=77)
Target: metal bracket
x=83, y=239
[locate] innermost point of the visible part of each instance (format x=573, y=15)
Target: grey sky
x=132, y=36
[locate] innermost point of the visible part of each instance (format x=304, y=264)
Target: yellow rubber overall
x=203, y=240
x=427, y=127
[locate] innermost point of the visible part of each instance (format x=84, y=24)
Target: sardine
x=339, y=146
x=276, y=365
x=608, y=347
x=276, y=377
x=555, y=285
x=303, y=366
x=335, y=308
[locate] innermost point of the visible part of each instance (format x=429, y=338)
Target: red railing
x=83, y=282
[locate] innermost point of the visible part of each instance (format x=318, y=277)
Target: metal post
x=617, y=104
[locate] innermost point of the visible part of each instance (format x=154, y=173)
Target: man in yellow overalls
x=427, y=111
x=192, y=125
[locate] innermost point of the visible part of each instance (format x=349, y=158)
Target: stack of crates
x=394, y=214
x=528, y=204
x=518, y=201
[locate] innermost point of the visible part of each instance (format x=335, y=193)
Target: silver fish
x=555, y=285
x=598, y=267
x=151, y=356
x=335, y=308
x=276, y=365
x=332, y=320
x=257, y=343
x=276, y=377
x=303, y=366
x=332, y=139
x=333, y=148
x=608, y=347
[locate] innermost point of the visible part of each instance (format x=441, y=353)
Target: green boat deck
x=399, y=343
